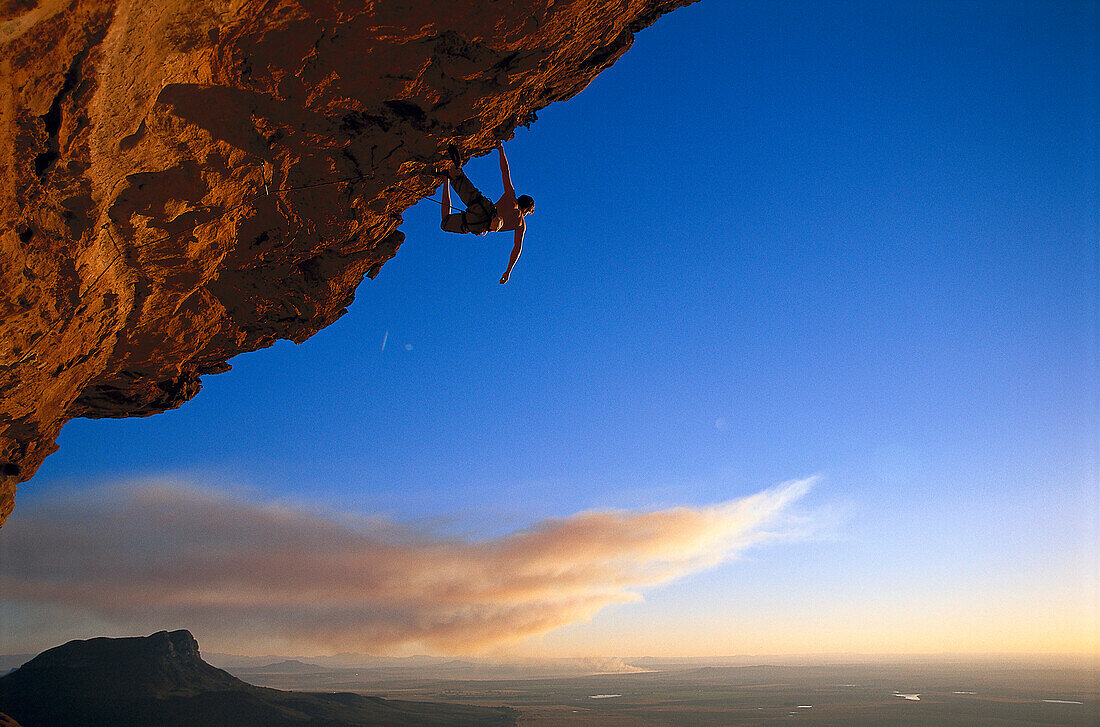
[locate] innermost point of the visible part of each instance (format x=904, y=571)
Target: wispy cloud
x=242, y=573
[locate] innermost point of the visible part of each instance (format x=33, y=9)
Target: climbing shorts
x=480, y=210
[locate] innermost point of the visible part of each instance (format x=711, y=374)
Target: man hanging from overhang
x=482, y=215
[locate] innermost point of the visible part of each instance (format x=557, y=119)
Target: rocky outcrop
x=186, y=180
x=161, y=680
x=153, y=667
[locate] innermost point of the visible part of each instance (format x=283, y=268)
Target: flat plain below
x=975, y=693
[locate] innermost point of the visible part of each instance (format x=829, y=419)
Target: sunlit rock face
x=187, y=180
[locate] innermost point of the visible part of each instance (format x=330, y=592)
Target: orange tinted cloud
x=244, y=574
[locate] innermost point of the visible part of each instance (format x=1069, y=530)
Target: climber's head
x=525, y=203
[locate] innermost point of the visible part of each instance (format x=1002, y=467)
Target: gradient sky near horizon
x=849, y=246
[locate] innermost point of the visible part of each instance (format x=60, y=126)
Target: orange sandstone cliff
x=139, y=250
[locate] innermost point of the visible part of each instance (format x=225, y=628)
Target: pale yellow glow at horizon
x=1035, y=623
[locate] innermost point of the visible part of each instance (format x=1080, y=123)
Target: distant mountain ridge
x=9, y=662
x=423, y=665
x=162, y=680
x=289, y=666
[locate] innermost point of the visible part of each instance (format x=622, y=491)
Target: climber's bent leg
x=465, y=188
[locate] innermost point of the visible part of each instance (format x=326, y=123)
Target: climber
x=481, y=215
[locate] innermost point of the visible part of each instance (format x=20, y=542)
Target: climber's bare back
x=508, y=212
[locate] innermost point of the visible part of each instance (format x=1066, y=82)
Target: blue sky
x=775, y=240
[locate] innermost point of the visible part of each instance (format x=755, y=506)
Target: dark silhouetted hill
x=161, y=680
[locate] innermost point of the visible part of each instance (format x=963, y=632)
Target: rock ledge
x=186, y=180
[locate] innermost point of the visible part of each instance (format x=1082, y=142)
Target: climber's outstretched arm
x=505, y=175
x=517, y=248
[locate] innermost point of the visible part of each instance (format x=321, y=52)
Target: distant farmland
x=974, y=693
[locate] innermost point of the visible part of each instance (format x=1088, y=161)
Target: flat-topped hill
x=162, y=680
